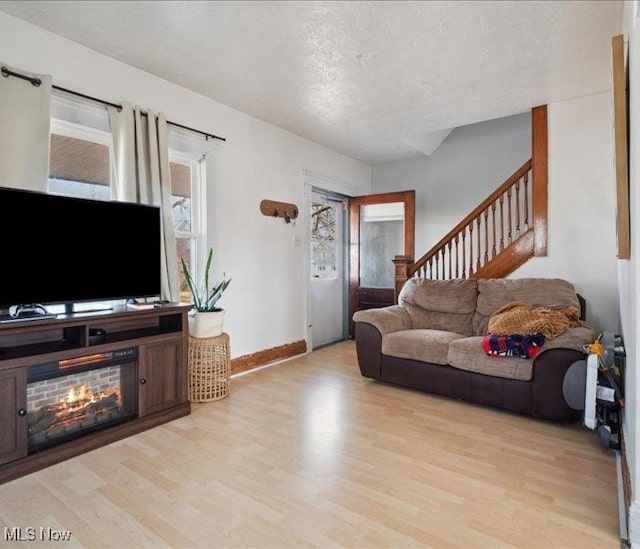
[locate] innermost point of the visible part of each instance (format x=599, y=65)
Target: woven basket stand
x=209, y=368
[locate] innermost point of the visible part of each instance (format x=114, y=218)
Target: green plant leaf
x=192, y=289
x=205, y=299
x=206, y=271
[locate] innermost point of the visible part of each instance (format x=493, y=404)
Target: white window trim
x=78, y=131
x=84, y=113
x=198, y=234
x=195, y=148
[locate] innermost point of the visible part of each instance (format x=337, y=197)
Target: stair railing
x=488, y=230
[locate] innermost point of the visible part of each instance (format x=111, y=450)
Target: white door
x=328, y=280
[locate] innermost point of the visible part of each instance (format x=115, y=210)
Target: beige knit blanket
x=524, y=318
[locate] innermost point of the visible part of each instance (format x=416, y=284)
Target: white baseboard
x=623, y=519
x=633, y=525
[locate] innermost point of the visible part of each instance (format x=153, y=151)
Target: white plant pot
x=205, y=324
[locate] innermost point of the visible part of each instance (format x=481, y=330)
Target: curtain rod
x=36, y=82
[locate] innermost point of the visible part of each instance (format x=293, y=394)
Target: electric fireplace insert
x=69, y=398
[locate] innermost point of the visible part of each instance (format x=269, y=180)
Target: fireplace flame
x=78, y=406
x=80, y=396
x=78, y=393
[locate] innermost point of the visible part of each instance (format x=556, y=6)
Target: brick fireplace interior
x=68, y=398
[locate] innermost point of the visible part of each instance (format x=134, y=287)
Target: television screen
x=57, y=249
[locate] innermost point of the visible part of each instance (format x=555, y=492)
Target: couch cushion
x=447, y=305
x=468, y=354
x=494, y=293
x=423, y=345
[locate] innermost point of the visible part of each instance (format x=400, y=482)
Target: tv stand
x=160, y=338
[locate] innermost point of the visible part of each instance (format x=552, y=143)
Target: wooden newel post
x=401, y=264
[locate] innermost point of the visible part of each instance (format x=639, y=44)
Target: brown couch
x=432, y=340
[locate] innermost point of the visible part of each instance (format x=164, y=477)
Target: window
x=324, y=243
x=187, y=184
x=80, y=165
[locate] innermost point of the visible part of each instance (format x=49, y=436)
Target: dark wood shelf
x=52, y=339
x=159, y=372
x=44, y=348
x=139, y=333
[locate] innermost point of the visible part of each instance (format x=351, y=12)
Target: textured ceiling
x=369, y=79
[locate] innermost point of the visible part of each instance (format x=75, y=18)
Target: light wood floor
x=308, y=453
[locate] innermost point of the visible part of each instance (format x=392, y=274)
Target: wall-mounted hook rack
x=272, y=208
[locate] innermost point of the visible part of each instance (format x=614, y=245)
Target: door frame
x=314, y=180
x=409, y=200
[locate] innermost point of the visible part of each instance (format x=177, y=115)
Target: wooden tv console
x=160, y=336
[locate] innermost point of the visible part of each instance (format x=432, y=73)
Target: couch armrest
x=572, y=338
x=549, y=369
x=385, y=319
x=368, y=349
x=371, y=325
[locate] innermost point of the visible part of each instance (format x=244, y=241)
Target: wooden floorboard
x=307, y=453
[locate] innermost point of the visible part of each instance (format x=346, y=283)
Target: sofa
x=433, y=340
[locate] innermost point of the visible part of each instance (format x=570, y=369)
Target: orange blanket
x=524, y=318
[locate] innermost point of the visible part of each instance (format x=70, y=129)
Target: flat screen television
x=62, y=250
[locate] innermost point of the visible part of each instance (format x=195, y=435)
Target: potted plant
x=205, y=318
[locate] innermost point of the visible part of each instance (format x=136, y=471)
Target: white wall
x=471, y=162
x=265, y=303
x=581, y=231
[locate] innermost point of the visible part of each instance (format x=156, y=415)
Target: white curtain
x=141, y=175
x=24, y=131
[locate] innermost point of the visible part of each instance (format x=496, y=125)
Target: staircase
x=504, y=231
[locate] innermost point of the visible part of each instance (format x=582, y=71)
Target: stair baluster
x=493, y=243
x=471, y=248
x=457, y=239
x=464, y=254
x=478, y=220
x=486, y=236
x=509, y=207
x=526, y=201
x=517, y=208
x=501, y=222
